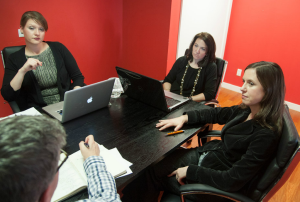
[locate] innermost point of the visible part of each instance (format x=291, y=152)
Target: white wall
x=210, y=16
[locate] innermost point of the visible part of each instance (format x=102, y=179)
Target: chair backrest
x=221, y=69
x=5, y=53
x=288, y=147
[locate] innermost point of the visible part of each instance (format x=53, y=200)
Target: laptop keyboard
x=171, y=101
x=60, y=111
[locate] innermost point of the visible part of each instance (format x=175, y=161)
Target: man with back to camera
x=30, y=148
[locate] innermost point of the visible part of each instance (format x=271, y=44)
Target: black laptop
x=149, y=91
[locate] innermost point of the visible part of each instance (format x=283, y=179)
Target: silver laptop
x=81, y=101
x=149, y=91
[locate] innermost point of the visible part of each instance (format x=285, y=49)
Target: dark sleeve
x=71, y=66
x=220, y=115
x=210, y=81
x=179, y=63
x=11, y=69
x=259, y=151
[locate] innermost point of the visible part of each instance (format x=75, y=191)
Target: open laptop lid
x=143, y=88
x=82, y=101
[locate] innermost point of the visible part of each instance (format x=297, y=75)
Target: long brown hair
x=271, y=78
x=211, y=49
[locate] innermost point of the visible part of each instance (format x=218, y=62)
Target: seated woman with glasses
x=40, y=73
x=195, y=75
x=248, y=140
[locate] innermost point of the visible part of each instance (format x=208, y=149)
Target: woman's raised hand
x=31, y=64
x=177, y=122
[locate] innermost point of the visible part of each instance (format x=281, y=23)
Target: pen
x=87, y=145
x=176, y=132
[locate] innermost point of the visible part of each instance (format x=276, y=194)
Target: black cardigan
x=244, y=150
x=206, y=84
x=29, y=95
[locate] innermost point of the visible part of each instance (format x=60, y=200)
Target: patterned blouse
x=46, y=76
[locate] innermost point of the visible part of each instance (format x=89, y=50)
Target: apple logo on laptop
x=90, y=100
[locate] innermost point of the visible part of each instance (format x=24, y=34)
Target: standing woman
x=248, y=141
x=40, y=73
x=195, y=75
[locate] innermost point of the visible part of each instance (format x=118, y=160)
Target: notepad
x=72, y=177
x=29, y=112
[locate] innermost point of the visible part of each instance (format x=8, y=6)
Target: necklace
x=195, y=82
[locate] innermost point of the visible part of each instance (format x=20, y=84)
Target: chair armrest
x=211, y=102
x=211, y=133
x=14, y=106
x=206, y=134
x=206, y=189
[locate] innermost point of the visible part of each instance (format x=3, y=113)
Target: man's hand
x=91, y=150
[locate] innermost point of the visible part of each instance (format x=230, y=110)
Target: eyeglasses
x=63, y=157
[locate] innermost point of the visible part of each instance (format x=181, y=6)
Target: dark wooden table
x=129, y=125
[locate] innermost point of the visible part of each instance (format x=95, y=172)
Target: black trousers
x=147, y=186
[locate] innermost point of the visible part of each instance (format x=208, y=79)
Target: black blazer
x=29, y=95
x=241, y=154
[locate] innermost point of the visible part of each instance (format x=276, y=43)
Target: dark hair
x=271, y=78
x=29, y=154
x=211, y=49
x=36, y=16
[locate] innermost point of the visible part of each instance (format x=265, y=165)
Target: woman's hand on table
x=177, y=122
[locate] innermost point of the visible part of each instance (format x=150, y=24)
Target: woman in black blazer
x=248, y=140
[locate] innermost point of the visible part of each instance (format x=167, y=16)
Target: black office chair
x=221, y=69
x=288, y=147
x=5, y=53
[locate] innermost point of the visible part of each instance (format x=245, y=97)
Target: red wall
x=91, y=30
x=138, y=35
x=146, y=26
x=265, y=30
x=102, y=34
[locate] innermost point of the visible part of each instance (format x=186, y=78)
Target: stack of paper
x=31, y=112
x=72, y=177
x=117, y=156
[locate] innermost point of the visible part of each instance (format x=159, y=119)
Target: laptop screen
x=142, y=88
